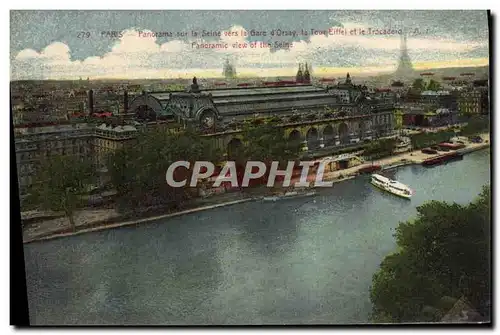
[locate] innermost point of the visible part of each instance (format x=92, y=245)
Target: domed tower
x=195, y=88
x=307, y=75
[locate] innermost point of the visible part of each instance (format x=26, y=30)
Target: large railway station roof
x=255, y=91
x=283, y=96
x=249, y=92
x=244, y=100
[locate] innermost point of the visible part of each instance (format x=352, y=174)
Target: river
x=296, y=261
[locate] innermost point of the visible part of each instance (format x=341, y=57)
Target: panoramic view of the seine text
x=253, y=167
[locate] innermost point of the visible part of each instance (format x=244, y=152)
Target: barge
x=452, y=146
x=369, y=169
x=443, y=159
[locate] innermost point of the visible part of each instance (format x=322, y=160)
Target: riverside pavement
x=85, y=218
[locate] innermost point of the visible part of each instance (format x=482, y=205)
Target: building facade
x=34, y=144
x=211, y=109
x=470, y=102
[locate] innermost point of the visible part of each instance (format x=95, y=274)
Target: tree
x=268, y=143
x=380, y=148
x=443, y=252
x=433, y=85
x=423, y=140
x=418, y=84
x=60, y=183
x=138, y=172
x=476, y=126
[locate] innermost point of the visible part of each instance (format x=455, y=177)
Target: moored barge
x=369, y=169
x=452, y=146
x=443, y=159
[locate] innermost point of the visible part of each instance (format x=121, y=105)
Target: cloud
x=138, y=54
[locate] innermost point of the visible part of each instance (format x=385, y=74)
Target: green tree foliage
x=433, y=85
x=418, y=84
x=60, y=183
x=268, y=143
x=138, y=172
x=380, y=148
x=175, y=87
x=476, y=126
x=414, y=91
x=423, y=140
x=443, y=252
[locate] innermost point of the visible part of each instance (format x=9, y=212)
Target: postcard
x=262, y=167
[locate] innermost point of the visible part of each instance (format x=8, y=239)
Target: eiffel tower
x=229, y=71
x=405, y=68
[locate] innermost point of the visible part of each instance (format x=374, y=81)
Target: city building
x=34, y=144
x=470, y=101
x=424, y=115
x=211, y=108
x=440, y=99
x=339, y=115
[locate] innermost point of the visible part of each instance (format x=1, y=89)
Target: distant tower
x=299, y=77
x=307, y=75
x=194, y=86
x=405, y=68
x=348, y=79
x=229, y=71
x=91, y=102
x=310, y=69
x=125, y=102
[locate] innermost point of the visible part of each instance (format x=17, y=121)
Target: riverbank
x=96, y=220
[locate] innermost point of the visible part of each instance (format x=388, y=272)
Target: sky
x=161, y=44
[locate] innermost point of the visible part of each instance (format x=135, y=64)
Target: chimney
x=125, y=102
x=91, y=102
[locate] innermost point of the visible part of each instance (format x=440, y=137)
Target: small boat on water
x=391, y=186
x=290, y=194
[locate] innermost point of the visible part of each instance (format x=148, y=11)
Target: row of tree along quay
x=380, y=149
x=474, y=126
x=443, y=260
x=137, y=172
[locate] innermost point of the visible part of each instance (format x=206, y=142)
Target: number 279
x=83, y=34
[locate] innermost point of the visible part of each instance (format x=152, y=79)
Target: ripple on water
x=294, y=261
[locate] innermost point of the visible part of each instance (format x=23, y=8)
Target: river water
x=296, y=261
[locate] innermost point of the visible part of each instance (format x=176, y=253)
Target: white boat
x=391, y=186
x=290, y=194
x=293, y=194
x=272, y=198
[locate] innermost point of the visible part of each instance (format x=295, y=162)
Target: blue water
x=295, y=261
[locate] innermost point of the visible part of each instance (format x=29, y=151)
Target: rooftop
x=246, y=91
x=117, y=128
